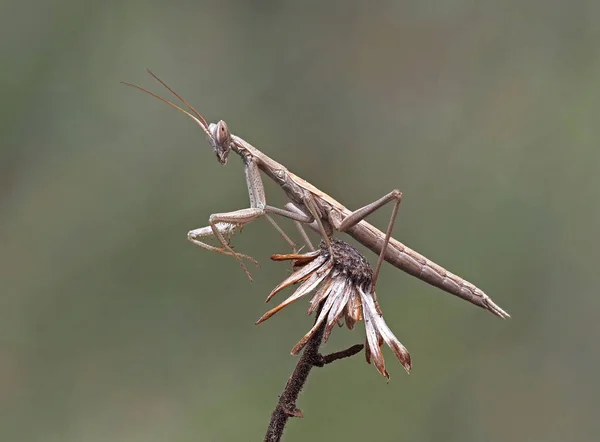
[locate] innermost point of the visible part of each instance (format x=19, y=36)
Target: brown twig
x=286, y=406
x=328, y=359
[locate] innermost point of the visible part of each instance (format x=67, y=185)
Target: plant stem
x=286, y=406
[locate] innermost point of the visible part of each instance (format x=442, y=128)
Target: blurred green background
x=484, y=114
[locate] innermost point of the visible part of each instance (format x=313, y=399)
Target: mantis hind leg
x=360, y=214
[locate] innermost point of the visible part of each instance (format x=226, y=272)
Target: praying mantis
x=314, y=208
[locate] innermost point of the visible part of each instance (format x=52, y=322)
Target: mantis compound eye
x=222, y=140
x=222, y=134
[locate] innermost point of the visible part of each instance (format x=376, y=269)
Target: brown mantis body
x=313, y=207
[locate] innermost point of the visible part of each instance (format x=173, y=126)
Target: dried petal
x=384, y=331
x=297, y=276
x=375, y=355
x=319, y=295
x=350, y=322
x=326, y=307
x=341, y=299
x=353, y=312
x=296, y=256
x=340, y=294
x=305, y=288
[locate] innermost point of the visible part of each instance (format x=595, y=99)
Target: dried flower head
x=344, y=281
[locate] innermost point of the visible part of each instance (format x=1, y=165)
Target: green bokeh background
x=485, y=114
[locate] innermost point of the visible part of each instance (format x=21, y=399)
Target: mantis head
x=220, y=140
x=218, y=134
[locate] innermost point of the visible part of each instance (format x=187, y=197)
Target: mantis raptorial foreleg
x=358, y=215
x=220, y=224
x=223, y=225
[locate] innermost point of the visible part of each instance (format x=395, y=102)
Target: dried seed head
x=350, y=263
x=341, y=280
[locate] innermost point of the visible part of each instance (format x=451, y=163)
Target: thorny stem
x=286, y=406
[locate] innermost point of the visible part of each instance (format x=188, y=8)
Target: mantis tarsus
x=311, y=206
